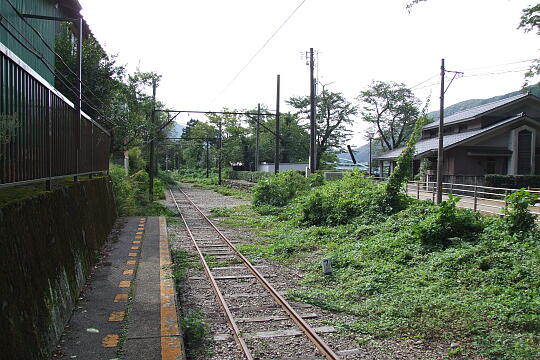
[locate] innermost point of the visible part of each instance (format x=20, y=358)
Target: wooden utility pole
x=257, y=134
x=440, y=151
x=312, y=120
x=152, y=143
x=276, y=155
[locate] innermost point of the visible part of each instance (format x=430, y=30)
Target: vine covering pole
x=441, y=135
x=276, y=156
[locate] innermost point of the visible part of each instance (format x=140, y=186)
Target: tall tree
x=392, y=110
x=333, y=119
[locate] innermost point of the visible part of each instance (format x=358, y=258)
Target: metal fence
x=486, y=199
x=41, y=137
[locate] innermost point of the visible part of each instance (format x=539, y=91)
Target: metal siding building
x=26, y=35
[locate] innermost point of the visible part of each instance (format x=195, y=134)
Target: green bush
x=279, y=189
x=520, y=219
x=448, y=223
x=513, y=181
x=339, y=202
x=136, y=160
x=124, y=191
x=251, y=176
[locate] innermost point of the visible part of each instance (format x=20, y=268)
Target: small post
x=327, y=267
x=417, y=190
x=505, y=200
x=475, y=206
x=433, y=193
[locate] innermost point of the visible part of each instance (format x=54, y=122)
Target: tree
x=333, y=118
x=392, y=110
x=101, y=77
x=530, y=21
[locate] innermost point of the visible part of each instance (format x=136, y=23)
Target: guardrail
x=41, y=137
x=486, y=199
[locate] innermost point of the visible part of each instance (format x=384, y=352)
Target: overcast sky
x=199, y=46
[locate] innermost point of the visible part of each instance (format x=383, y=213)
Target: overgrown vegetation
x=421, y=271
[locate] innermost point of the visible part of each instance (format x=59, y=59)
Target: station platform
x=128, y=306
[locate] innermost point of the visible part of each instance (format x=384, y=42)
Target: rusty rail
x=325, y=350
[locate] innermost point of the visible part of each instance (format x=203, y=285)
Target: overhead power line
x=259, y=51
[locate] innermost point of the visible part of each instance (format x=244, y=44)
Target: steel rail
x=321, y=345
x=215, y=288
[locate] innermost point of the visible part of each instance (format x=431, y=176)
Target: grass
x=483, y=293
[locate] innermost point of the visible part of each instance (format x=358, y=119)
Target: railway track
x=257, y=314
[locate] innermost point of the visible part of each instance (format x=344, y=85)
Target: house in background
x=500, y=137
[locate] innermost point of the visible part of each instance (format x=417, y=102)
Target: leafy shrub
x=124, y=192
x=315, y=180
x=136, y=160
x=251, y=176
x=279, y=189
x=513, y=181
x=339, y=202
x=446, y=223
x=520, y=219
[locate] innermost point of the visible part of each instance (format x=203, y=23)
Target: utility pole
x=312, y=120
x=207, y=157
x=152, y=144
x=220, y=145
x=276, y=155
x=257, y=133
x=440, y=151
x=369, y=164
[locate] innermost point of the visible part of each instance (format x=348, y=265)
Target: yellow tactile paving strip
x=111, y=340
x=171, y=341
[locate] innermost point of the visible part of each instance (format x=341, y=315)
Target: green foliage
x=251, y=176
x=278, y=189
x=124, y=192
x=131, y=193
x=403, y=170
x=513, y=181
x=339, y=202
x=392, y=110
x=136, y=160
x=334, y=116
x=519, y=218
x=448, y=224
x=196, y=333
x=483, y=292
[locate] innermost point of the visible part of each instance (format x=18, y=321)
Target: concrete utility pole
x=440, y=151
x=312, y=114
x=207, y=157
x=220, y=145
x=276, y=155
x=257, y=134
x=152, y=144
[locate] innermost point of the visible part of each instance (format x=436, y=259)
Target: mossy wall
x=48, y=244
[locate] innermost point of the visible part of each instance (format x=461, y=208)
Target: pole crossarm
x=216, y=112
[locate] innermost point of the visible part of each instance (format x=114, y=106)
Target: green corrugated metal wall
x=46, y=28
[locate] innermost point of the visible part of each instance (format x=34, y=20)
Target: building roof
x=432, y=144
x=478, y=110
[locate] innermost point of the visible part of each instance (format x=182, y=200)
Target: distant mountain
x=361, y=153
x=177, y=130
x=467, y=104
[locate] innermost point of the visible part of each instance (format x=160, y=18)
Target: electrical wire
x=258, y=51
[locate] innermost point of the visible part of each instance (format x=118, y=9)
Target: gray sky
x=199, y=46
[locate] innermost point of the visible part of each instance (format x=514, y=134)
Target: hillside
x=467, y=104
